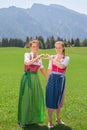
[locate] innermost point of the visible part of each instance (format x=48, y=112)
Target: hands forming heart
x=45, y=56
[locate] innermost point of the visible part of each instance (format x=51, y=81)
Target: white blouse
x=29, y=56
x=64, y=61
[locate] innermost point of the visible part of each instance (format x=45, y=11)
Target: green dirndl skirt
x=31, y=100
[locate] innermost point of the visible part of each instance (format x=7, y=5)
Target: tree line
x=44, y=44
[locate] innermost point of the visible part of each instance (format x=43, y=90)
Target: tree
x=52, y=42
x=0, y=43
x=27, y=41
x=47, y=43
x=4, y=42
x=59, y=39
x=84, y=42
x=77, y=42
x=72, y=42
x=41, y=41
x=66, y=43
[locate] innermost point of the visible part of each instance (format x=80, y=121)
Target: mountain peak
x=38, y=5
x=42, y=20
x=56, y=6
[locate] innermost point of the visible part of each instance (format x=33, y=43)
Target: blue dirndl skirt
x=54, y=90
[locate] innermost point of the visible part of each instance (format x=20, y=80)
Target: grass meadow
x=74, y=112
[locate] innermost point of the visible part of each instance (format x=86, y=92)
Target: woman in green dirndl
x=31, y=98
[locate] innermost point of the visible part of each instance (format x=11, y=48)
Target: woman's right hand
x=38, y=57
x=42, y=55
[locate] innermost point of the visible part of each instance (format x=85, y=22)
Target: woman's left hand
x=49, y=56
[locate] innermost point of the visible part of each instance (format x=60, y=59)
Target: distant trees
x=77, y=42
x=44, y=43
x=41, y=42
x=84, y=42
x=50, y=42
x=4, y=42
x=12, y=42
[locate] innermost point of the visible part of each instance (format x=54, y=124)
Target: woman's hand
x=38, y=57
x=45, y=56
x=42, y=55
x=48, y=56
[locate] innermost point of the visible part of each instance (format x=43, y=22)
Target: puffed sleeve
x=26, y=57
x=66, y=61
x=50, y=64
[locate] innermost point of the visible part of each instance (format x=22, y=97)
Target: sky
x=76, y=5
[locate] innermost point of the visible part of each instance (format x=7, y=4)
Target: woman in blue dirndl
x=56, y=82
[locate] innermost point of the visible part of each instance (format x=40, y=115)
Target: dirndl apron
x=54, y=90
x=31, y=100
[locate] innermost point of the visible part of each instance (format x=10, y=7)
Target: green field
x=74, y=112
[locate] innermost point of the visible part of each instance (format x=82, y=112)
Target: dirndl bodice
x=31, y=68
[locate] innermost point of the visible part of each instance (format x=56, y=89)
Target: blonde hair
x=62, y=44
x=33, y=41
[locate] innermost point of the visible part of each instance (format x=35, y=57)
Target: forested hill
x=42, y=20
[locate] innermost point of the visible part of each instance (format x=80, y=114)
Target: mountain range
x=42, y=20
